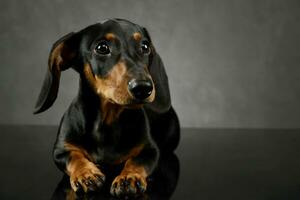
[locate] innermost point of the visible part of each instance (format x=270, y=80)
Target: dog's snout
x=140, y=89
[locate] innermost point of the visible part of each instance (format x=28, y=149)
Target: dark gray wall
x=232, y=63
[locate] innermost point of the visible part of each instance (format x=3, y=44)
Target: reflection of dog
x=122, y=114
x=161, y=185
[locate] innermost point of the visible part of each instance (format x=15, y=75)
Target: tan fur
x=110, y=36
x=152, y=95
x=113, y=88
x=132, y=167
x=132, y=173
x=137, y=36
x=71, y=195
x=133, y=153
x=110, y=111
x=80, y=166
x=59, y=57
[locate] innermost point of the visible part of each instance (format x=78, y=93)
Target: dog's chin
x=135, y=103
x=130, y=103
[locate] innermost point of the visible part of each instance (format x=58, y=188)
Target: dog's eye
x=145, y=47
x=102, y=48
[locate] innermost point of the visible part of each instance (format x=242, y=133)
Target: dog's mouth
x=138, y=102
x=131, y=103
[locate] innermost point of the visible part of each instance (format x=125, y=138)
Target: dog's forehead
x=122, y=29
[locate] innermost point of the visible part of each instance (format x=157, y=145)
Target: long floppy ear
x=62, y=56
x=162, y=101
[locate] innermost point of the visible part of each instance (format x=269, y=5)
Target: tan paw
x=86, y=179
x=129, y=184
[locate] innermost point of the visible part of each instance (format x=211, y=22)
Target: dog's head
x=117, y=60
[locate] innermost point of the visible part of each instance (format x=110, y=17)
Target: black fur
x=155, y=124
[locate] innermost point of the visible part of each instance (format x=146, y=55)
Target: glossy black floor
x=209, y=164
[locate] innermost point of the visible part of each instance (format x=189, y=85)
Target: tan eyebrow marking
x=137, y=36
x=110, y=36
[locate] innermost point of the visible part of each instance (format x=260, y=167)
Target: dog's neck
x=109, y=112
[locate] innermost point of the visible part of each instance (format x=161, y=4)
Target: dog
x=122, y=115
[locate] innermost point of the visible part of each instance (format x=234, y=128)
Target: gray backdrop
x=232, y=63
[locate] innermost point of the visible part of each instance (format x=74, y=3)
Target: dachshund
x=122, y=115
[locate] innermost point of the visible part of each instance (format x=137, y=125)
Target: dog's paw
x=130, y=184
x=87, y=179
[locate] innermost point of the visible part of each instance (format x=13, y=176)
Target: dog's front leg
x=132, y=179
x=84, y=174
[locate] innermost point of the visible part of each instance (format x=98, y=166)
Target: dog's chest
x=115, y=143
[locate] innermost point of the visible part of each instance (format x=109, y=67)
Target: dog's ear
x=62, y=56
x=162, y=101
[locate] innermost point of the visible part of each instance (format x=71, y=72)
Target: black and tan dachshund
x=122, y=115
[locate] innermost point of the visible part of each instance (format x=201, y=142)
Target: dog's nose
x=140, y=89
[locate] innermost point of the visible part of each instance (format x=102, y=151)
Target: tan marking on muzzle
x=112, y=88
x=152, y=95
x=114, y=85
